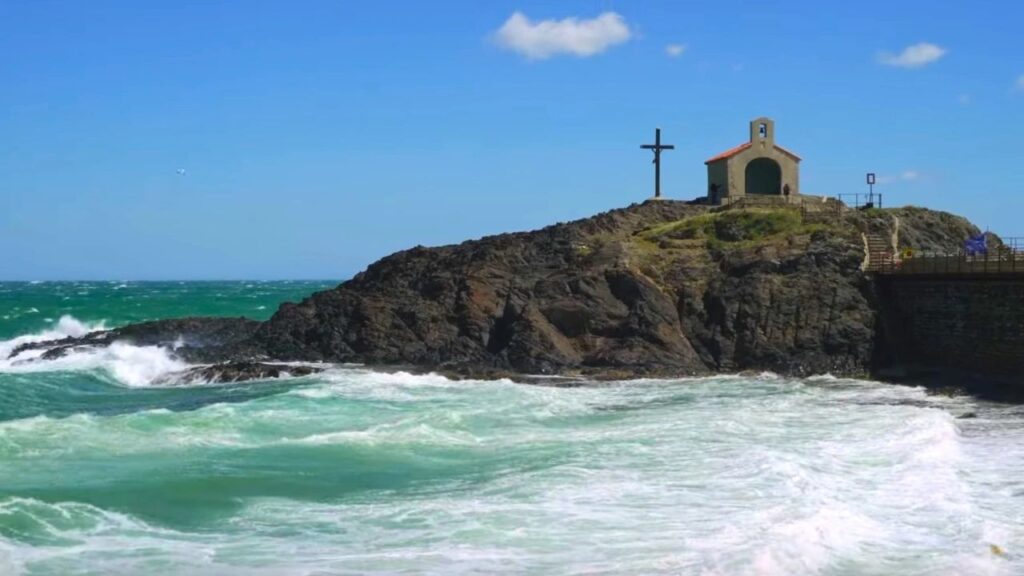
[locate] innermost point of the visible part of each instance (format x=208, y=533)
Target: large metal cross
x=657, y=147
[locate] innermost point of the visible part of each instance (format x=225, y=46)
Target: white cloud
x=914, y=56
x=905, y=176
x=546, y=38
x=675, y=50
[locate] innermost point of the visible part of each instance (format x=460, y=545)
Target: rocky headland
x=662, y=288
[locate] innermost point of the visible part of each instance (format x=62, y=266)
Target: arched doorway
x=764, y=176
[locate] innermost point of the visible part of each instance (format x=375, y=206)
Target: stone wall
x=971, y=323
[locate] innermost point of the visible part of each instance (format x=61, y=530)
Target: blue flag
x=976, y=245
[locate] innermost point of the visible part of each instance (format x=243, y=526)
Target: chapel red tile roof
x=734, y=151
x=729, y=153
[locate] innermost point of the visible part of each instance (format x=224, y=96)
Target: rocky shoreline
x=662, y=288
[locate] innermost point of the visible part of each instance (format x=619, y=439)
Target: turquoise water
x=357, y=471
x=32, y=307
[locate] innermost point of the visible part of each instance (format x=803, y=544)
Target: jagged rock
x=604, y=293
x=194, y=339
x=659, y=288
x=239, y=371
x=656, y=288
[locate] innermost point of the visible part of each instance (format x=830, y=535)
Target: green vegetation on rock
x=736, y=227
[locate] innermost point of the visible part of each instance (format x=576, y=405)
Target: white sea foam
x=723, y=475
x=126, y=363
x=67, y=326
x=131, y=365
x=823, y=378
x=73, y=535
x=397, y=386
x=392, y=434
x=62, y=520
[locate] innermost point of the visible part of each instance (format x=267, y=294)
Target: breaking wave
x=67, y=326
x=126, y=364
x=358, y=471
x=361, y=471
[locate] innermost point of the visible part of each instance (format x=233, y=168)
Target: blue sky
x=317, y=137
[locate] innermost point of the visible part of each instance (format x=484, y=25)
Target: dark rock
x=635, y=291
x=239, y=371
x=593, y=294
x=193, y=339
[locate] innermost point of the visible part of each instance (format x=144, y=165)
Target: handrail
x=861, y=200
x=1005, y=257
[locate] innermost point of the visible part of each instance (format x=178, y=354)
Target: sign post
x=871, y=188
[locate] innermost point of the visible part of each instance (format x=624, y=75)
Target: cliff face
x=660, y=287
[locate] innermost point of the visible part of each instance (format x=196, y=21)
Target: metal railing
x=812, y=209
x=1006, y=257
x=861, y=200
x=760, y=200
x=772, y=201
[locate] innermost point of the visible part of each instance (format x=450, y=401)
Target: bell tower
x=762, y=133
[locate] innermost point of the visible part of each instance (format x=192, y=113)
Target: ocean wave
x=127, y=364
x=808, y=544
x=827, y=377
x=272, y=423
x=80, y=538
x=62, y=523
x=153, y=432
x=351, y=381
x=363, y=472
x=67, y=326
x=401, y=433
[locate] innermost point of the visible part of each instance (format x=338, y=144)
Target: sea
x=356, y=470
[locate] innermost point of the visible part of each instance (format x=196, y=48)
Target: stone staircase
x=880, y=250
x=879, y=253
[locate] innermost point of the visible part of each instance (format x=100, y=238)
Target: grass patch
x=874, y=211
x=692, y=242
x=732, y=227
x=582, y=250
